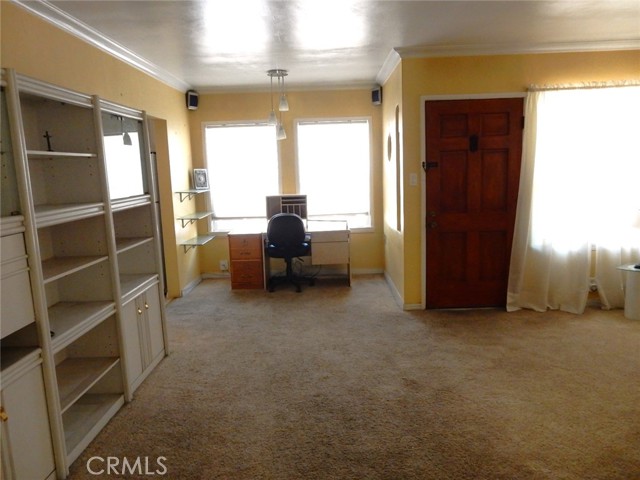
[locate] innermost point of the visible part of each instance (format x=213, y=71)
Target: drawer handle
x=3, y=415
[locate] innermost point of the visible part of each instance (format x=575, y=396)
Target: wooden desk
x=330, y=247
x=250, y=268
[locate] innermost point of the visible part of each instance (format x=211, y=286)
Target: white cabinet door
x=27, y=451
x=131, y=339
x=154, y=322
x=15, y=288
x=143, y=335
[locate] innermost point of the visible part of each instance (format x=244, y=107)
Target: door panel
x=495, y=169
x=454, y=256
x=473, y=150
x=493, y=266
x=453, y=182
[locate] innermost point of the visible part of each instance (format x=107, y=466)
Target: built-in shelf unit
x=81, y=243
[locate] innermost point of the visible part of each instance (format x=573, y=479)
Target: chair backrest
x=286, y=229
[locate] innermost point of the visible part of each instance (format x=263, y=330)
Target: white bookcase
x=87, y=245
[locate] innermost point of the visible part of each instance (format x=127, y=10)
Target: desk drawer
x=245, y=247
x=330, y=236
x=246, y=274
x=329, y=253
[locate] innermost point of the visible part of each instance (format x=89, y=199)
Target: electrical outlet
x=224, y=265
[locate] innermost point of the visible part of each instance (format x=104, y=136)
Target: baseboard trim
x=412, y=306
x=398, y=298
x=394, y=291
x=367, y=271
x=216, y=275
x=190, y=286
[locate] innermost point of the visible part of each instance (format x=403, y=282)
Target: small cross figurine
x=48, y=137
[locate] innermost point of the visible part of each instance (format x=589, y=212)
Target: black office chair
x=286, y=238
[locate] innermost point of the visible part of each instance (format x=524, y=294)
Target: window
x=124, y=156
x=578, y=212
x=243, y=169
x=123, y=161
x=586, y=166
x=334, y=169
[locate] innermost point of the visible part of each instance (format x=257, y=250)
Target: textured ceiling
x=222, y=45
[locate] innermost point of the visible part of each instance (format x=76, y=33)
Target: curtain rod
x=585, y=85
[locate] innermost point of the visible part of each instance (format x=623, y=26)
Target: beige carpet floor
x=340, y=383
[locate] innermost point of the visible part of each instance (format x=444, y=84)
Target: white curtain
x=578, y=213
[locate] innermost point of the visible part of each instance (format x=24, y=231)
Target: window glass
x=123, y=156
x=334, y=170
x=585, y=191
x=243, y=169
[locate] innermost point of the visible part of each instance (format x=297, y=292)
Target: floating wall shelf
x=196, y=242
x=189, y=194
x=193, y=217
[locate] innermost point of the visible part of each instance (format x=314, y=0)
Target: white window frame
x=227, y=223
x=334, y=120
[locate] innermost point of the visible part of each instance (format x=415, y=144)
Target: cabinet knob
x=139, y=311
x=3, y=415
x=146, y=306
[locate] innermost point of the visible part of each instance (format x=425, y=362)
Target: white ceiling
x=214, y=45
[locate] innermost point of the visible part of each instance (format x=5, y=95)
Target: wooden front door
x=473, y=150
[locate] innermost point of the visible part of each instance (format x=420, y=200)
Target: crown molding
x=291, y=88
x=513, y=49
x=396, y=55
x=84, y=32
x=388, y=66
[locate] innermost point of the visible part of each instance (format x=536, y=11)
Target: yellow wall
x=367, y=247
x=393, y=184
x=479, y=75
x=37, y=49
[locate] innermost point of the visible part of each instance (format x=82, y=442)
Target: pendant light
x=272, y=120
x=126, y=138
x=283, y=104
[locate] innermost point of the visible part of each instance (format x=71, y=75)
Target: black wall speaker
x=192, y=99
x=376, y=96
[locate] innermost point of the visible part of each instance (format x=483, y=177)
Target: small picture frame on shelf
x=200, y=179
